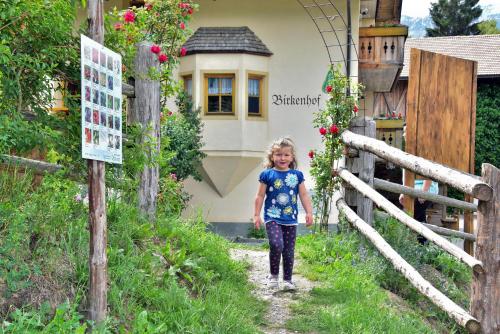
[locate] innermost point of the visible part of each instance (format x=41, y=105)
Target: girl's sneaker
x=289, y=286
x=272, y=282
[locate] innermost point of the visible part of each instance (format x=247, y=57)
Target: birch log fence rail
x=484, y=316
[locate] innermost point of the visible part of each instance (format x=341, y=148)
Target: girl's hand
x=257, y=221
x=309, y=219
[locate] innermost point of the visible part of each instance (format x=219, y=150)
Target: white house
x=255, y=68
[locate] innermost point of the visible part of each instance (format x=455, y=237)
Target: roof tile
x=226, y=40
x=485, y=49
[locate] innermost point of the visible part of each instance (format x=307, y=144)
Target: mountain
x=417, y=25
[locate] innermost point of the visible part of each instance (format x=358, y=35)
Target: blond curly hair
x=279, y=144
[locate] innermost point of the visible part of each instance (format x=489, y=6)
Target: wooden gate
x=441, y=115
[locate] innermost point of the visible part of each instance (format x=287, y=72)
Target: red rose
x=182, y=26
x=311, y=154
x=183, y=52
x=162, y=58
x=155, y=48
x=170, y=113
x=334, y=129
x=328, y=89
x=190, y=11
x=129, y=16
x=356, y=109
x=118, y=26
x=322, y=130
x=148, y=6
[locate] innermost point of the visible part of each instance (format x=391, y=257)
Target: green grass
x=360, y=291
x=167, y=277
x=349, y=299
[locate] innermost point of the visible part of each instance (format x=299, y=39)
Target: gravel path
x=279, y=301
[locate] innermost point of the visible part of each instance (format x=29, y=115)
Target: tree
x=488, y=27
x=454, y=18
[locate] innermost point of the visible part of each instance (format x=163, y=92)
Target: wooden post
x=364, y=166
x=146, y=111
x=469, y=226
x=485, y=298
x=98, y=262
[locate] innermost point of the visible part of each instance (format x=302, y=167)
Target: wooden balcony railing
x=381, y=52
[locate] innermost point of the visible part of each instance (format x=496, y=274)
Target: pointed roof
x=226, y=40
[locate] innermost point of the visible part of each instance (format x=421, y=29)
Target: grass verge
x=360, y=292
x=167, y=277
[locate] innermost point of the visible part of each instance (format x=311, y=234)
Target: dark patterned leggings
x=281, y=242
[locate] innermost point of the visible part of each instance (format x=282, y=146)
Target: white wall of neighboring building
x=297, y=68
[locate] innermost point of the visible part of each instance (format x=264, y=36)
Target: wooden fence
x=484, y=315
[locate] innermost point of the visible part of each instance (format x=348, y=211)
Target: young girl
x=280, y=184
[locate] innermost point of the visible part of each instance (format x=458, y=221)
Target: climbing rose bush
x=341, y=107
x=162, y=22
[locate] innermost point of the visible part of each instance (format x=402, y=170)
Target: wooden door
x=441, y=114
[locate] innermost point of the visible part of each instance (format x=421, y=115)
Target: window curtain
x=227, y=86
x=253, y=87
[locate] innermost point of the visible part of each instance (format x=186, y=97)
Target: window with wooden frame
x=188, y=85
x=254, y=102
x=219, y=94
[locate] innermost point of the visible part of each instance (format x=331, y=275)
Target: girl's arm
x=306, y=203
x=259, y=200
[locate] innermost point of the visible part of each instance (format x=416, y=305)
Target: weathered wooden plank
x=468, y=216
x=439, y=230
x=36, y=165
x=485, y=298
x=363, y=164
x=399, y=189
x=412, y=106
x=146, y=111
x=98, y=261
x=461, y=316
x=366, y=172
x=416, y=226
x=467, y=183
x=128, y=90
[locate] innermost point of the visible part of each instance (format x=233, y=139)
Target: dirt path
x=278, y=312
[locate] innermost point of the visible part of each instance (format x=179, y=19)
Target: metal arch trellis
x=347, y=57
x=349, y=43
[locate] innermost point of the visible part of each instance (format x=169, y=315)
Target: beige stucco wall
x=235, y=147
x=298, y=67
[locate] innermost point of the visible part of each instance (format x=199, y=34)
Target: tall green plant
x=341, y=107
x=487, y=125
x=184, y=129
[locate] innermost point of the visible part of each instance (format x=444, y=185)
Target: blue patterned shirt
x=282, y=193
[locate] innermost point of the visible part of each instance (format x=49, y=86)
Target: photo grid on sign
x=101, y=102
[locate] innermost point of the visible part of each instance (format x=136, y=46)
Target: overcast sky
x=421, y=7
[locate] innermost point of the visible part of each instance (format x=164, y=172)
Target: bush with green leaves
x=36, y=50
x=487, y=125
x=184, y=130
